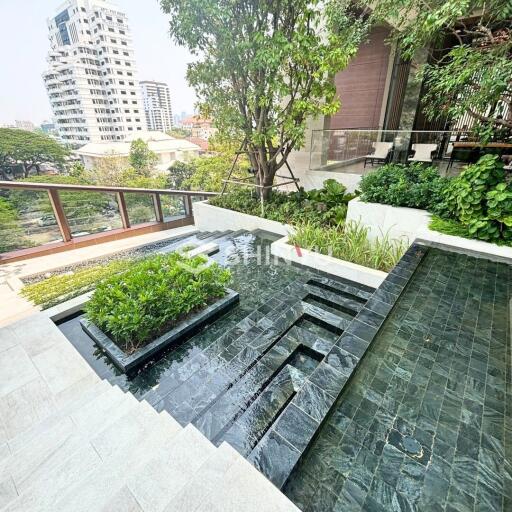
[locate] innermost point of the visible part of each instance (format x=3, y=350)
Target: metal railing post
x=188, y=205
x=123, y=212
x=157, y=203
x=60, y=215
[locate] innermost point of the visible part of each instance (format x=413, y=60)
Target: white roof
x=158, y=142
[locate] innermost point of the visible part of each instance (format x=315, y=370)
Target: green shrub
x=326, y=206
x=59, y=288
x=12, y=236
x=156, y=293
x=350, y=242
x=480, y=198
x=414, y=186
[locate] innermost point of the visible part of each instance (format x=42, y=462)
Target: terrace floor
x=422, y=405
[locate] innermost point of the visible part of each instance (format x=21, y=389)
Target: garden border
x=214, y=218
x=328, y=264
x=129, y=363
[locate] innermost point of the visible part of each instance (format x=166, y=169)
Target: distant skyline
x=22, y=92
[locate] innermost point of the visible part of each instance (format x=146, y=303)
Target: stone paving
x=426, y=422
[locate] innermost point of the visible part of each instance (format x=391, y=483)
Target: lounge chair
x=380, y=153
x=423, y=152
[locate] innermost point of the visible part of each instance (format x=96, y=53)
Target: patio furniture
x=423, y=153
x=470, y=152
x=380, y=153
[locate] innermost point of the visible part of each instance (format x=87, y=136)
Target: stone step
x=204, y=482
x=159, y=480
x=25, y=438
x=244, y=488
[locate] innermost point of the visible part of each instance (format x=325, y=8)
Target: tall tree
x=264, y=67
x=142, y=159
x=28, y=149
x=473, y=75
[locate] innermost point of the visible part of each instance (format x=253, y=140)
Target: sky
x=24, y=43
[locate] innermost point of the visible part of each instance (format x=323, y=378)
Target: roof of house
x=158, y=142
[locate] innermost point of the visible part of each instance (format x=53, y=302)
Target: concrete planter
x=382, y=219
x=212, y=218
x=128, y=363
x=328, y=264
x=410, y=224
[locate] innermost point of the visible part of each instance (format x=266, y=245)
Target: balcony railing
x=41, y=218
x=348, y=150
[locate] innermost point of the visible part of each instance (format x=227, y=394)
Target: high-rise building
x=92, y=79
x=157, y=105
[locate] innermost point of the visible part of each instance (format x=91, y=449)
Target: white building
x=157, y=105
x=92, y=79
x=168, y=149
x=25, y=125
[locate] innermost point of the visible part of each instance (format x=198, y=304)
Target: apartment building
x=91, y=78
x=157, y=105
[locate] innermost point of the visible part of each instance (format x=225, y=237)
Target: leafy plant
x=350, y=242
x=480, y=198
x=156, y=293
x=59, y=288
x=413, y=186
x=325, y=206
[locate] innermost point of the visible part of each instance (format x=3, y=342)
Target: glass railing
x=357, y=151
x=41, y=218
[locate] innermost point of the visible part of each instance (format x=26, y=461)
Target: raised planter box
x=381, y=219
x=212, y=218
x=410, y=224
x=328, y=264
x=128, y=363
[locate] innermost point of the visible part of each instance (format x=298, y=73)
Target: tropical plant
x=154, y=295
x=414, y=186
x=29, y=149
x=179, y=173
x=480, y=198
x=350, y=242
x=263, y=68
x=325, y=206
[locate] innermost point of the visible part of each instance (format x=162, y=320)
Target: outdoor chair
x=423, y=152
x=380, y=153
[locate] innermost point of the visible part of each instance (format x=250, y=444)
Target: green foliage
x=153, y=296
x=179, y=133
x=263, y=68
x=179, y=173
x=413, y=186
x=30, y=149
x=208, y=173
x=475, y=74
x=59, y=288
x=142, y=159
x=326, y=206
x=448, y=227
x=480, y=198
x=11, y=234
x=350, y=242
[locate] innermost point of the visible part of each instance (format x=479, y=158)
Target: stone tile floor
x=426, y=421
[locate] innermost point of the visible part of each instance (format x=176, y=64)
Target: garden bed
x=128, y=363
x=340, y=268
x=213, y=218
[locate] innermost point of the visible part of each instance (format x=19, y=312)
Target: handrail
x=95, y=188
x=68, y=238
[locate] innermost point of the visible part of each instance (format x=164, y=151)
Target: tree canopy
x=28, y=149
x=470, y=65
x=142, y=159
x=263, y=68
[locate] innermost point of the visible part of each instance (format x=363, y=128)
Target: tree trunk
x=26, y=170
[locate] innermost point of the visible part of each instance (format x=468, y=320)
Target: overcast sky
x=24, y=43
